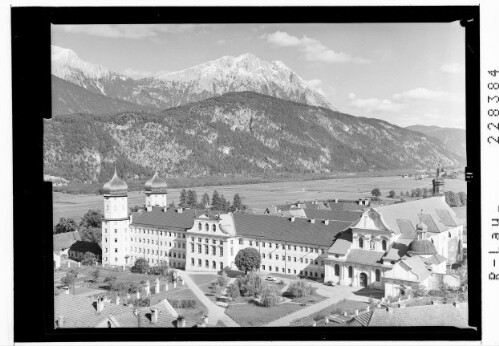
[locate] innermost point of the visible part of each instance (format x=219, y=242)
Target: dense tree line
x=189, y=199
x=89, y=227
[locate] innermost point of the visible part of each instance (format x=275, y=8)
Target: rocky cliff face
x=214, y=78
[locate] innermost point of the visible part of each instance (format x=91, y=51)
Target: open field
x=264, y=194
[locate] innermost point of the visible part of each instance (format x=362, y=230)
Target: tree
x=93, y=235
x=216, y=201
x=136, y=208
x=462, y=198
x=92, y=219
x=171, y=205
x=192, y=199
x=70, y=278
x=248, y=259
x=376, y=193
x=452, y=199
x=140, y=266
x=89, y=259
x=110, y=280
x=95, y=275
x=205, y=201
x=65, y=226
x=237, y=204
x=183, y=198
x=407, y=194
x=233, y=291
x=391, y=194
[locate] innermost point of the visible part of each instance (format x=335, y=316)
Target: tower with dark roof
x=155, y=190
x=115, y=223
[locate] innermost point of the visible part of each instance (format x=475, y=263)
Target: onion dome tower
x=115, y=223
x=422, y=246
x=156, y=190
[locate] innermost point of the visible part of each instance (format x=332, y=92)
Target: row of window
x=213, y=250
x=160, y=233
x=283, y=270
x=282, y=246
x=207, y=227
x=302, y=260
x=207, y=263
x=350, y=272
x=207, y=241
x=372, y=244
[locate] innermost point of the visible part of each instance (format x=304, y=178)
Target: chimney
x=117, y=300
x=60, y=321
x=326, y=320
x=456, y=304
x=326, y=222
x=314, y=324
x=135, y=312
x=292, y=219
x=312, y=220
x=356, y=312
x=100, y=304
x=180, y=322
x=368, y=308
x=149, y=208
x=336, y=200
x=154, y=315
x=180, y=210
x=205, y=319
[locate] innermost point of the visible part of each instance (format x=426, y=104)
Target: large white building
x=388, y=247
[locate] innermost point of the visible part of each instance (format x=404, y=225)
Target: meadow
x=261, y=195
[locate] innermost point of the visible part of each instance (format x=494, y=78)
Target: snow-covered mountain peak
x=66, y=63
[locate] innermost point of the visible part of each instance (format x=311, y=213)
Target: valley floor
x=265, y=194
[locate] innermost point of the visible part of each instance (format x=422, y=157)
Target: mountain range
x=214, y=78
x=454, y=139
x=243, y=132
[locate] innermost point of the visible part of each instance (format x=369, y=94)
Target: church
x=389, y=247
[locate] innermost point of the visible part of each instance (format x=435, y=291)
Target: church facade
x=379, y=250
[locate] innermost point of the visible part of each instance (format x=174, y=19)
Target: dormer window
x=383, y=245
x=214, y=228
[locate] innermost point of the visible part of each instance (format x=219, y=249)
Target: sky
x=406, y=74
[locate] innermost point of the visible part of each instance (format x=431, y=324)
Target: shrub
x=233, y=291
x=217, y=289
x=140, y=266
x=318, y=318
x=159, y=270
x=300, y=288
x=281, y=283
x=110, y=280
x=391, y=194
x=223, y=280
x=269, y=296
x=251, y=284
x=120, y=287
x=376, y=193
x=142, y=302
x=182, y=303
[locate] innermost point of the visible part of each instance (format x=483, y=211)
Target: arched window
x=350, y=272
x=206, y=263
x=214, y=228
x=336, y=270
x=361, y=242
x=207, y=227
x=378, y=275
x=383, y=245
x=199, y=226
x=214, y=265
x=432, y=241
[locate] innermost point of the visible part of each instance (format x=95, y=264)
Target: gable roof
x=342, y=243
x=411, y=211
x=282, y=229
x=63, y=241
x=165, y=317
x=164, y=219
x=426, y=315
x=417, y=267
x=363, y=319
x=406, y=228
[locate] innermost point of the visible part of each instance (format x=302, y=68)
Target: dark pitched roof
x=446, y=218
x=86, y=246
x=426, y=315
x=398, y=250
x=63, y=241
x=164, y=219
x=282, y=229
x=367, y=257
x=342, y=243
x=339, y=215
x=363, y=319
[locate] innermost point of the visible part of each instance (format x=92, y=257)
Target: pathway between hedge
x=215, y=313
